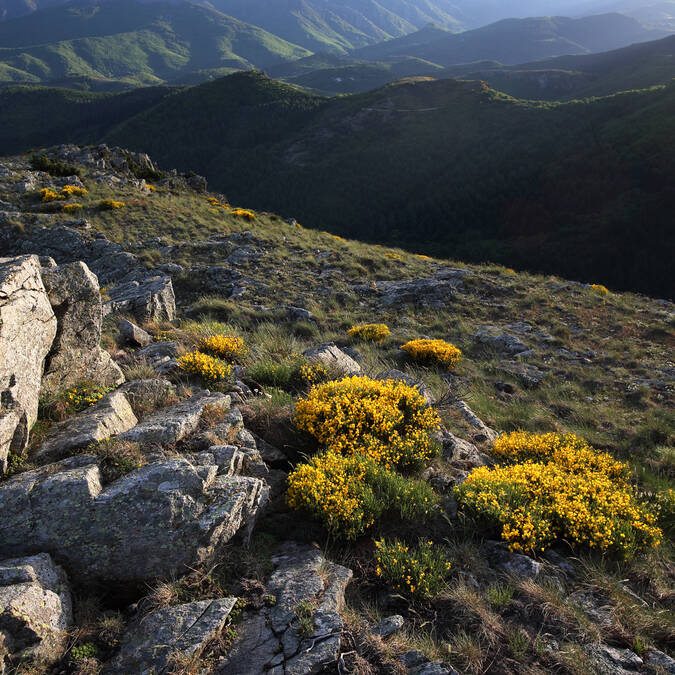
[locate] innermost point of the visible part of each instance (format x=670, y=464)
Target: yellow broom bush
x=433, y=351
x=209, y=368
x=228, y=347
x=371, y=332
x=388, y=421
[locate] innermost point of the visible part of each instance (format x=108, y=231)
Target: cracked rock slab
x=331, y=356
x=35, y=607
x=270, y=641
x=152, y=643
x=27, y=330
x=108, y=417
x=156, y=521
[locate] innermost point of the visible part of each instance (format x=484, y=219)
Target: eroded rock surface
x=27, y=330
x=331, y=356
x=35, y=608
x=156, y=521
x=304, y=585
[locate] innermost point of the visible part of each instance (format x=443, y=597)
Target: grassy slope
x=624, y=340
x=132, y=42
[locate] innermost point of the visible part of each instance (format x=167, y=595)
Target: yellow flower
x=373, y=332
x=435, y=351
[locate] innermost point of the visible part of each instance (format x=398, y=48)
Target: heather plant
x=560, y=488
x=433, y=352
x=420, y=571
x=370, y=332
x=388, y=421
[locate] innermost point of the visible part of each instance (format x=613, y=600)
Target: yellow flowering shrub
x=348, y=494
x=314, y=373
x=372, y=332
x=228, y=347
x=61, y=406
x=110, y=205
x=419, y=572
x=72, y=208
x=73, y=191
x=560, y=489
x=433, y=351
x=243, y=213
x=216, y=203
x=388, y=421
x=393, y=256
x=150, y=188
x=599, y=288
x=209, y=368
x=49, y=195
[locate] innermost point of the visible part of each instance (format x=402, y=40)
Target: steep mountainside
x=234, y=445
x=441, y=166
x=519, y=40
x=131, y=42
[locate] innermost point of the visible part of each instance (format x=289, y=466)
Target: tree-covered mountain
x=514, y=41
x=582, y=188
x=131, y=42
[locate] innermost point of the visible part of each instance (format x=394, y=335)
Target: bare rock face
x=27, y=330
x=133, y=334
x=271, y=641
x=35, y=608
x=76, y=355
x=150, y=298
x=331, y=356
x=153, y=522
x=154, y=641
x=109, y=417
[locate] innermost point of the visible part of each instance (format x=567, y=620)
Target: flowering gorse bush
x=49, y=195
x=314, y=373
x=599, y=288
x=348, y=494
x=243, y=213
x=433, y=351
x=228, y=347
x=73, y=191
x=388, y=421
x=209, y=368
x=72, y=208
x=372, y=332
x=110, y=205
x=419, y=572
x=561, y=489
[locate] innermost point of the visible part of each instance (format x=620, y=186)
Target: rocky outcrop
x=331, y=356
x=156, y=642
x=76, y=355
x=149, y=298
x=156, y=521
x=109, y=417
x=174, y=423
x=606, y=660
x=27, y=330
x=35, y=608
x=133, y=335
x=482, y=433
x=499, y=340
x=306, y=587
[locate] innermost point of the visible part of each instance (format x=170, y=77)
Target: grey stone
x=156, y=521
x=400, y=376
x=140, y=393
x=152, y=642
x=151, y=298
x=331, y=356
x=27, y=330
x=659, y=660
x=302, y=575
x=607, y=660
x=483, y=433
x=108, y=417
x=35, y=608
x=413, y=659
x=496, y=338
x=76, y=355
x=458, y=450
x=434, y=291
x=433, y=668
x=133, y=335
x=388, y=626
x=174, y=423
x=512, y=563
x=528, y=374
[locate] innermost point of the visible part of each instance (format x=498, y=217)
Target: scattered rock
x=400, y=376
x=174, y=423
x=529, y=375
x=133, y=335
x=388, y=626
x=110, y=416
x=152, y=642
x=496, y=338
x=157, y=521
x=76, y=355
x=331, y=356
x=27, y=330
x=270, y=640
x=35, y=608
x=458, y=451
x=483, y=433
x=512, y=563
x=658, y=659
x=141, y=393
x=607, y=660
